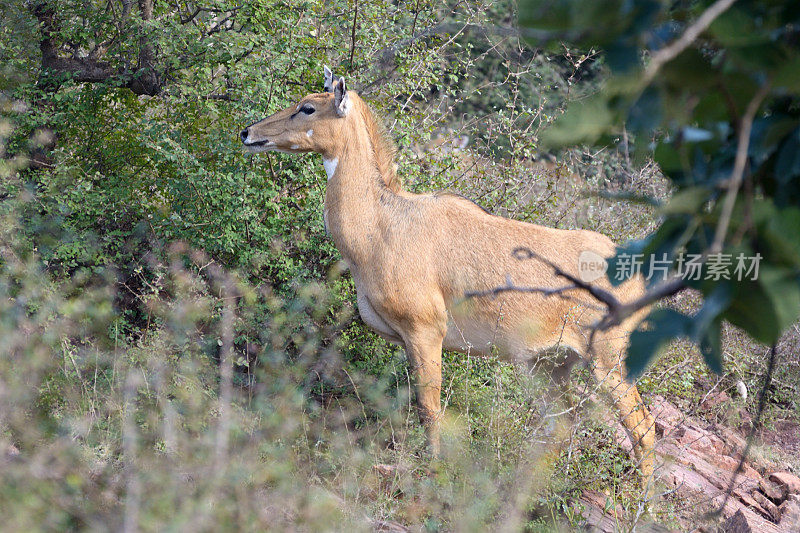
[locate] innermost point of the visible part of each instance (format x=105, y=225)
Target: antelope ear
x=328, y=83
x=341, y=101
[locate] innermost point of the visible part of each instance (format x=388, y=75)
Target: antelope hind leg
x=635, y=417
x=556, y=365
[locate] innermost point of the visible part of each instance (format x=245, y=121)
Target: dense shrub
x=180, y=344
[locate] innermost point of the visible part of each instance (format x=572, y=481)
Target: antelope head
x=318, y=123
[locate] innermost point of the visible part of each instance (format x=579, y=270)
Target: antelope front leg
x=424, y=350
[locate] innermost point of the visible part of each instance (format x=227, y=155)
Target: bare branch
x=353, y=34
x=667, y=288
x=222, y=25
x=191, y=16
x=668, y=53
x=511, y=287
x=388, y=54
x=617, y=312
x=83, y=69
x=145, y=79
x=599, y=294
x=735, y=180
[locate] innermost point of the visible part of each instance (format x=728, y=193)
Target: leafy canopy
x=693, y=83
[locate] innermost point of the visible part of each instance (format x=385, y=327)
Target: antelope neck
x=353, y=206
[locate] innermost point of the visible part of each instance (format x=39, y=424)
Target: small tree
x=710, y=91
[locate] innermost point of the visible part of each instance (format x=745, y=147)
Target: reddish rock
x=744, y=521
x=698, y=462
x=697, y=438
x=598, y=512
x=715, y=400
x=667, y=415
x=717, y=444
x=771, y=490
x=738, y=523
x=790, y=514
x=767, y=505
x=726, y=462
x=622, y=440
x=734, y=441
x=687, y=480
x=602, y=501
x=788, y=482
x=745, y=496
x=750, y=502
x=748, y=476
x=751, y=472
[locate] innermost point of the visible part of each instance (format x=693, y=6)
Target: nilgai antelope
x=415, y=257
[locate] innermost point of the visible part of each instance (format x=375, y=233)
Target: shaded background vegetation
x=180, y=345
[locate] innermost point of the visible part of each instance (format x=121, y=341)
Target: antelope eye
x=307, y=109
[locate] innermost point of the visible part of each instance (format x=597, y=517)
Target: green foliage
x=112, y=311
x=127, y=217
x=692, y=111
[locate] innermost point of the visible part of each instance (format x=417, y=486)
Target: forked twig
x=617, y=311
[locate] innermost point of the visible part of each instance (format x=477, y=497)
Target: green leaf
x=781, y=234
x=706, y=325
x=788, y=75
x=668, y=158
x=711, y=346
x=622, y=57
x=645, y=114
x=767, y=134
x=761, y=57
x=617, y=264
x=658, y=244
x=690, y=69
x=735, y=27
x=787, y=165
x=713, y=305
x=662, y=326
x=687, y=201
x=583, y=122
x=765, y=307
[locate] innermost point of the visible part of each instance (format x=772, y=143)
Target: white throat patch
x=309, y=133
x=330, y=166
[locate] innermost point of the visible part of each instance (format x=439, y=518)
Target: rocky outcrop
x=698, y=461
x=787, y=483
